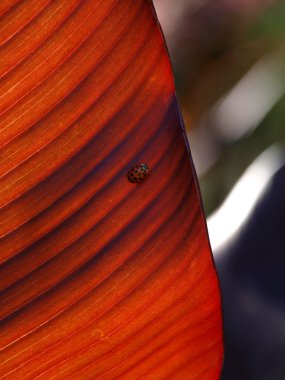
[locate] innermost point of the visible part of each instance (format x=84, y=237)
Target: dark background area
x=229, y=64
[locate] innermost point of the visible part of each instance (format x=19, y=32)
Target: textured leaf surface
x=99, y=278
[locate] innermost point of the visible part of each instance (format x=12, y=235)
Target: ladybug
x=138, y=173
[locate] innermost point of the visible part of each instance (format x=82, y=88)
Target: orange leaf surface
x=100, y=278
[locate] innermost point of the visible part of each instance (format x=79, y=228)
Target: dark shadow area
x=252, y=278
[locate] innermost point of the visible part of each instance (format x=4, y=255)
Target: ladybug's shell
x=138, y=173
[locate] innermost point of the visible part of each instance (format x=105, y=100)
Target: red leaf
x=100, y=277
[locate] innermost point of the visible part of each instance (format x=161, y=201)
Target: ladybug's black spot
x=138, y=173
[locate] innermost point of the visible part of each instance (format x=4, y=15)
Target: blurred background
x=229, y=63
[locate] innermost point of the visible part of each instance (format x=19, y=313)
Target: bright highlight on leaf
x=100, y=278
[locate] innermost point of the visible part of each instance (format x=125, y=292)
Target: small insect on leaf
x=99, y=278
x=138, y=173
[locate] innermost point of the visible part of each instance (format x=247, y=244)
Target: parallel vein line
x=63, y=310
x=68, y=56
x=151, y=301
x=22, y=25
x=134, y=218
x=93, y=104
x=13, y=67
x=119, y=300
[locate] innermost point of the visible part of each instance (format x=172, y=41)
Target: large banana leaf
x=100, y=277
